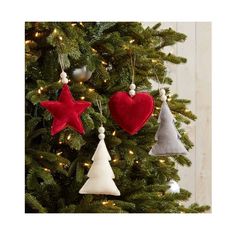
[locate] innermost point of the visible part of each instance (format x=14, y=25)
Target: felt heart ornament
x=131, y=112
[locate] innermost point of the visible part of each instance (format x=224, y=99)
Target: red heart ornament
x=131, y=113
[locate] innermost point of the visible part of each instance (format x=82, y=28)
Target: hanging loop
x=162, y=91
x=101, y=129
x=63, y=74
x=132, y=85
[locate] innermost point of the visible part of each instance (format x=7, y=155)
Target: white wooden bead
x=163, y=98
x=132, y=92
x=132, y=86
x=64, y=80
x=162, y=92
x=101, y=129
x=63, y=75
x=101, y=136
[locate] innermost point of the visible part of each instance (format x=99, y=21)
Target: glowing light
x=59, y=81
x=61, y=164
x=169, y=99
x=90, y=89
x=131, y=41
x=39, y=91
x=46, y=169
x=55, y=31
x=115, y=160
x=136, y=161
x=86, y=164
x=113, y=204
x=187, y=110
x=80, y=83
x=94, y=50
x=73, y=24
x=41, y=157
x=162, y=161
x=104, y=62
x=105, y=80
x=60, y=142
x=114, y=133
x=105, y=202
x=37, y=34
x=27, y=41
x=131, y=152
x=81, y=24
x=41, y=88
x=59, y=153
x=157, y=108
x=60, y=37
x=68, y=137
x=82, y=97
x=154, y=61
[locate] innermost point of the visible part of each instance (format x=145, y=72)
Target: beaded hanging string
x=63, y=74
x=101, y=129
x=132, y=85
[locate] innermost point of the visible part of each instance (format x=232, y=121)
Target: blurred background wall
x=193, y=81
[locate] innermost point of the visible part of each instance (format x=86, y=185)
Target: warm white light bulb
x=131, y=152
x=104, y=202
x=104, y=62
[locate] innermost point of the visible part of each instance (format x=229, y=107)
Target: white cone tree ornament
x=167, y=136
x=100, y=175
x=174, y=187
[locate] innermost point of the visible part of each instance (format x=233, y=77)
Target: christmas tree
x=96, y=58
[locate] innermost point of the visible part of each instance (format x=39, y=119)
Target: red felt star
x=66, y=111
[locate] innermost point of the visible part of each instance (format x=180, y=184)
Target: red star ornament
x=66, y=111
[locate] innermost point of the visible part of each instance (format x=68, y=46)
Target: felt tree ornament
x=66, y=111
x=131, y=110
x=100, y=175
x=167, y=136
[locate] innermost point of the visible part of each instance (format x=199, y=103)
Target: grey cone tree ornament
x=167, y=136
